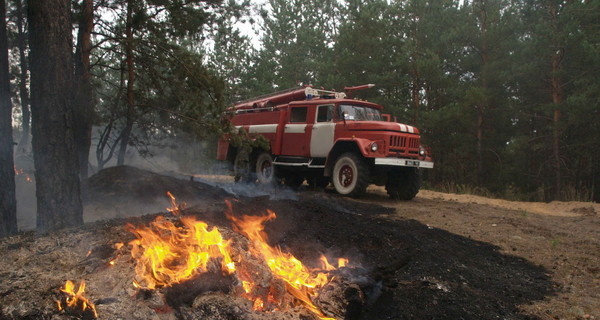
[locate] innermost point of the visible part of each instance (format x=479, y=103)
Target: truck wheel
x=242, y=167
x=350, y=175
x=403, y=184
x=265, y=171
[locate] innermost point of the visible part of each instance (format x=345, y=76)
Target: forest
x=504, y=92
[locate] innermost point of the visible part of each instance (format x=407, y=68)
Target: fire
x=325, y=265
x=172, y=250
x=300, y=281
x=175, y=208
x=20, y=172
x=169, y=252
x=75, y=300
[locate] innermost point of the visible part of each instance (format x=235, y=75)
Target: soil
x=438, y=256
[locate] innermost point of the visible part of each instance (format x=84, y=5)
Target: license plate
x=412, y=163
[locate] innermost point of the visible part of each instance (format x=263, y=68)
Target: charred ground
x=424, y=259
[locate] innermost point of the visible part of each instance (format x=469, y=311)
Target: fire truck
x=325, y=137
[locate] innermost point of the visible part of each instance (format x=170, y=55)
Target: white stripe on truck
x=263, y=128
x=294, y=128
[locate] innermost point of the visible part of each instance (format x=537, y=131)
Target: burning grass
x=75, y=303
x=168, y=252
x=172, y=250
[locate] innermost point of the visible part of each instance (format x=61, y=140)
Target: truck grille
x=404, y=145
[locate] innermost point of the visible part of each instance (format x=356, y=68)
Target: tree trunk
x=125, y=135
x=480, y=115
x=415, y=92
x=595, y=177
x=24, y=143
x=483, y=105
x=104, y=139
x=8, y=202
x=557, y=99
x=556, y=132
x=53, y=141
x=415, y=87
x=84, y=101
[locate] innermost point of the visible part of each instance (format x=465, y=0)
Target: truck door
x=294, y=133
x=322, y=135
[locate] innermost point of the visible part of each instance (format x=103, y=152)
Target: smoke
x=25, y=191
x=181, y=158
x=181, y=154
x=248, y=190
x=123, y=207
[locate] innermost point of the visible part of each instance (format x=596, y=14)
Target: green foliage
x=231, y=56
x=174, y=91
x=243, y=140
x=555, y=242
x=297, y=40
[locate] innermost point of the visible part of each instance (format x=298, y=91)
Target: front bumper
x=398, y=162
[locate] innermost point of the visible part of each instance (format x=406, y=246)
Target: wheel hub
x=346, y=176
x=266, y=168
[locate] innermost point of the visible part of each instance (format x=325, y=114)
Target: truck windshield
x=359, y=113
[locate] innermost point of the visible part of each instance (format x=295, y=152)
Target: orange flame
x=76, y=298
x=325, y=265
x=170, y=251
x=300, y=281
x=20, y=172
x=175, y=208
x=167, y=253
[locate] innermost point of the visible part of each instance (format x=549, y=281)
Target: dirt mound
x=142, y=185
x=125, y=191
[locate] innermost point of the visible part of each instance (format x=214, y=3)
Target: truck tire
x=243, y=167
x=350, y=175
x=265, y=170
x=403, y=184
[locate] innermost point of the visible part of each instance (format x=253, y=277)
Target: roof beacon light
x=312, y=93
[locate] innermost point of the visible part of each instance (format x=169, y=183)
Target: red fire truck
x=325, y=136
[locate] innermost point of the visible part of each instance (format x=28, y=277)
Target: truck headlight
x=422, y=152
x=374, y=147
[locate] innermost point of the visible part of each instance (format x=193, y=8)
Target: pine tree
x=8, y=202
x=297, y=41
x=55, y=155
x=84, y=99
x=141, y=49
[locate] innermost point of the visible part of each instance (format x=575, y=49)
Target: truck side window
x=298, y=114
x=325, y=113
